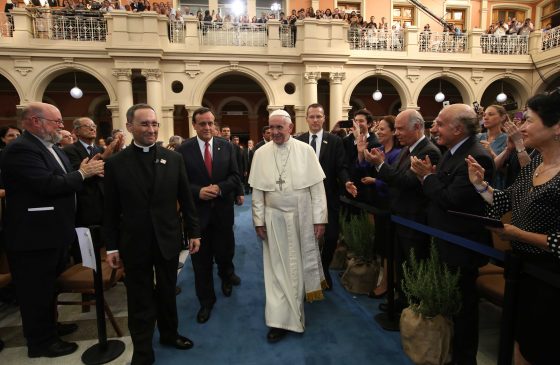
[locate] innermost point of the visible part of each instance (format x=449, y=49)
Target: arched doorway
x=489, y=96
x=92, y=104
x=10, y=100
x=361, y=97
x=429, y=107
x=236, y=97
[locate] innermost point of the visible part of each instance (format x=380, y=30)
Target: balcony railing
x=232, y=34
x=75, y=26
x=443, y=42
x=6, y=26
x=504, y=45
x=287, y=35
x=375, y=39
x=551, y=38
x=177, y=31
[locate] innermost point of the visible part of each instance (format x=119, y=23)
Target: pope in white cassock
x=289, y=214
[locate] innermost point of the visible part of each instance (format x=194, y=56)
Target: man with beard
x=41, y=188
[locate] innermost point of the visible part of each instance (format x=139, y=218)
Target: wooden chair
x=490, y=282
x=79, y=279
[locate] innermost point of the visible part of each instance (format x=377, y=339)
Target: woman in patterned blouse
x=534, y=199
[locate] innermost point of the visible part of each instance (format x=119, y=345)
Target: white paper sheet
x=86, y=247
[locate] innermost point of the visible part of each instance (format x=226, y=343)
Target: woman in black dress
x=534, y=199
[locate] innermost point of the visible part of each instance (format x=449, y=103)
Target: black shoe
x=276, y=334
x=234, y=279
x=328, y=279
x=227, y=288
x=203, y=314
x=63, y=329
x=1, y=345
x=58, y=348
x=180, y=342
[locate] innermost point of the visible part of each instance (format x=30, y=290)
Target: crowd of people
x=152, y=200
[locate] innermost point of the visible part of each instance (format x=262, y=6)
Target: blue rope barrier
x=457, y=240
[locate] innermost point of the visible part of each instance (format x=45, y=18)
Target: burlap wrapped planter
x=360, y=276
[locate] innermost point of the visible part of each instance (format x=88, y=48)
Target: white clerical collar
x=144, y=148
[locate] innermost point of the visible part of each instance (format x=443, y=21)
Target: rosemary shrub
x=359, y=233
x=430, y=287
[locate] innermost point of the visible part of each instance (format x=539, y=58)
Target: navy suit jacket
x=90, y=198
x=225, y=174
x=450, y=189
x=40, y=196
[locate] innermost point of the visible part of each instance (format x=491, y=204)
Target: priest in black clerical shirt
x=143, y=228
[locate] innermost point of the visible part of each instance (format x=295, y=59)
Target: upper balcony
x=120, y=33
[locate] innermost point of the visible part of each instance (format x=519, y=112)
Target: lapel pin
x=325, y=142
x=162, y=161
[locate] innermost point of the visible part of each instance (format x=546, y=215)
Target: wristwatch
x=519, y=150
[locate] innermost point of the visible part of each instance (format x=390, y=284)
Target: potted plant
x=433, y=295
x=362, y=270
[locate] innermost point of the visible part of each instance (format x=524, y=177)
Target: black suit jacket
x=90, y=198
x=135, y=215
x=450, y=189
x=405, y=190
x=333, y=162
x=40, y=196
x=224, y=174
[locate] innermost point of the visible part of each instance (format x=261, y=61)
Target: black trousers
x=332, y=231
x=34, y=274
x=148, y=302
x=465, y=332
x=217, y=244
x=406, y=240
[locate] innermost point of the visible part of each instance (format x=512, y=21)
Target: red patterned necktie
x=208, y=159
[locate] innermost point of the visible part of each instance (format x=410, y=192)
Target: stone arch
x=47, y=75
x=205, y=83
x=95, y=103
x=540, y=85
x=520, y=85
x=386, y=75
x=229, y=99
x=457, y=80
x=8, y=76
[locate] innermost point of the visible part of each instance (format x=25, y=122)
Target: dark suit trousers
x=332, y=231
x=148, y=302
x=465, y=332
x=217, y=243
x=34, y=274
x=406, y=240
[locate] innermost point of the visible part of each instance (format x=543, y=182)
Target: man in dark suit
x=39, y=222
x=90, y=198
x=405, y=190
x=212, y=168
x=449, y=188
x=226, y=134
x=330, y=153
x=266, y=138
x=363, y=120
x=142, y=225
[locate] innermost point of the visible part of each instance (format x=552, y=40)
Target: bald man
x=41, y=188
x=447, y=187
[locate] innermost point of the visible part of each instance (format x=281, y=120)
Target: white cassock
x=289, y=198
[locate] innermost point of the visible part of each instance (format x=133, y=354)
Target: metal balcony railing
x=177, y=31
x=370, y=39
x=64, y=25
x=232, y=34
x=288, y=35
x=504, y=45
x=551, y=38
x=6, y=26
x=443, y=42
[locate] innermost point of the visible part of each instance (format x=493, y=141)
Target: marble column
x=154, y=97
x=301, y=124
x=191, y=109
x=167, y=120
x=115, y=115
x=310, y=87
x=124, y=96
x=335, y=91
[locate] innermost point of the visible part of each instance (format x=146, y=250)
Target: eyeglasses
x=92, y=126
x=55, y=121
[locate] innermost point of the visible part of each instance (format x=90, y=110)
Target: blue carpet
x=339, y=329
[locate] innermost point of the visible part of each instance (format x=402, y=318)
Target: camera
x=346, y=123
x=476, y=106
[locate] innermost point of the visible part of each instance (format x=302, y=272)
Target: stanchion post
x=104, y=351
x=387, y=320
x=512, y=273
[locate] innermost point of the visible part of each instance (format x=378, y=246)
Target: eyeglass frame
x=147, y=124
x=94, y=126
x=59, y=121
